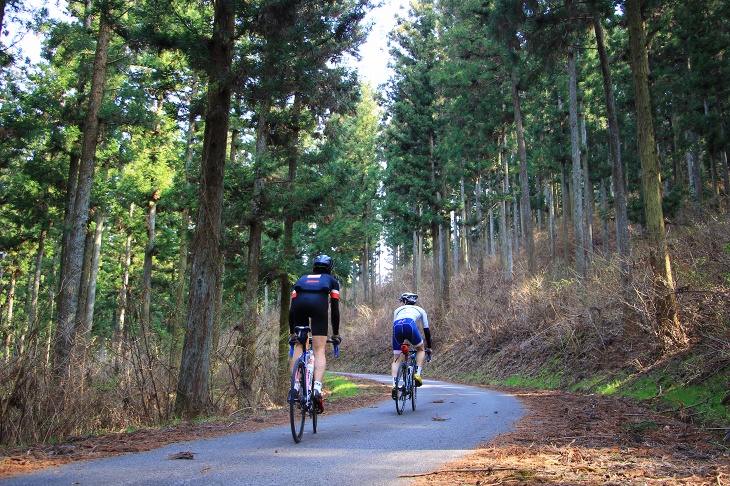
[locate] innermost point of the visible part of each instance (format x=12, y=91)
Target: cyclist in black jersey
x=311, y=298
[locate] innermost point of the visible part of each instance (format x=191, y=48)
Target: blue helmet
x=408, y=298
x=323, y=264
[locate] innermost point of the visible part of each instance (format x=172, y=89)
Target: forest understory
x=561, y=339
x=565, y=438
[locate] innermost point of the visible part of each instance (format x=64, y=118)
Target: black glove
x=336, y=340
x=293, y=339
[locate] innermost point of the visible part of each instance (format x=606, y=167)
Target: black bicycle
x=405, y=383
x=302, y=385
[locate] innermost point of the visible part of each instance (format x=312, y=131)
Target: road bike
x=405, y=383
x=301, y=392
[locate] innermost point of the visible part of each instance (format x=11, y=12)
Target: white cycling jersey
x=411, y=312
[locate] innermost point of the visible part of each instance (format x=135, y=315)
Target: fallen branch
x=444, y=471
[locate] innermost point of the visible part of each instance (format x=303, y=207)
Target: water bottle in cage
x=310, y=367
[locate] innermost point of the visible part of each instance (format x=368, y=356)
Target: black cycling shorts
x=311, y=309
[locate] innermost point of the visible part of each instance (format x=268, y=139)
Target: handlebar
x=336, y=348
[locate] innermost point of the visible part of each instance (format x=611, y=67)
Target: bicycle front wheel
x=401, y=394
x=297, y=401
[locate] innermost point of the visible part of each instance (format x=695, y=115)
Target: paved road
x=370, y=446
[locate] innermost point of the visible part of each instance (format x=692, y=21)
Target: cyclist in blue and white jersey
x=405, y=327
x=313, y=294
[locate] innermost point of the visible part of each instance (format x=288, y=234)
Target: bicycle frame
x=406, y=387
x=406, y=370
x=302, y=384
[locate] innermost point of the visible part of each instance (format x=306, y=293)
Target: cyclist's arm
x=426, y=329
x=335, y=316
x=335, y=309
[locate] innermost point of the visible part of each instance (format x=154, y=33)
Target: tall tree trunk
x=505, y=245
x=94, y=273
x=464, y=239
x=481, y=235
x=525, y=210
x=516, y=222
x=71, y=265
x=366, y=297
x=192, y=388
x=251, y=367
x=436, y=233
x=580, y=254
x=3, y=3
x=33, y=310
x=453, y=220
x=587, y=189
x=670, y=329
x=416, y=259
x=151, y=220
x=550, y=196
x=725, y=173
x=283, y=369
x=564, y=192
x=603, y=194
x=118, y=338
x=182, y=266
x=9, y=313
x=623, y=246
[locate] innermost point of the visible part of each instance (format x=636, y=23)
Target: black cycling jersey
x=310, y=299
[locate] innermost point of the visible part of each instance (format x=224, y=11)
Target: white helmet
x=408, y=298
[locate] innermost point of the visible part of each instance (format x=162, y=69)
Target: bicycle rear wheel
x=414, y=389
x=297, y=402
x=401, y=394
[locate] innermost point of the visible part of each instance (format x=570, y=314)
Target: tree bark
x=623, y=246
x=670, y=329
x=118, y=338
x=193, y=381
x=580, y=254
x=33, y=311
x=525, y=210
x=283, y=369
x=148, y=258
x=588, y=197
x=70, y=281
x=250, y=368
x=481, y=249
x=182, y=266
x=93, y=274
x=10, y=304
x=505, y=245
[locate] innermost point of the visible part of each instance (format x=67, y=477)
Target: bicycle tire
x=314, y=422
x=413, y=387
x=401, y=394
x=297, y=408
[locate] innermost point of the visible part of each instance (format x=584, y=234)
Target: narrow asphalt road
x=370, y=446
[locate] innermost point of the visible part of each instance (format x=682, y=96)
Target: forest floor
x=564, y=439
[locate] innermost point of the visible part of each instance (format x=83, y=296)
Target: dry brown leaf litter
x=564, y=439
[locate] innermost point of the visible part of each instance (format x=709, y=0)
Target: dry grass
x=552, y=325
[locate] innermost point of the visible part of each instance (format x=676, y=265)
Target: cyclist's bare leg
x=394, y=365
x=295, y=356
x=320, y=359
x=420, y=354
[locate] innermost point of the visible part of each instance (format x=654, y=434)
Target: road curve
x=369, y=446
